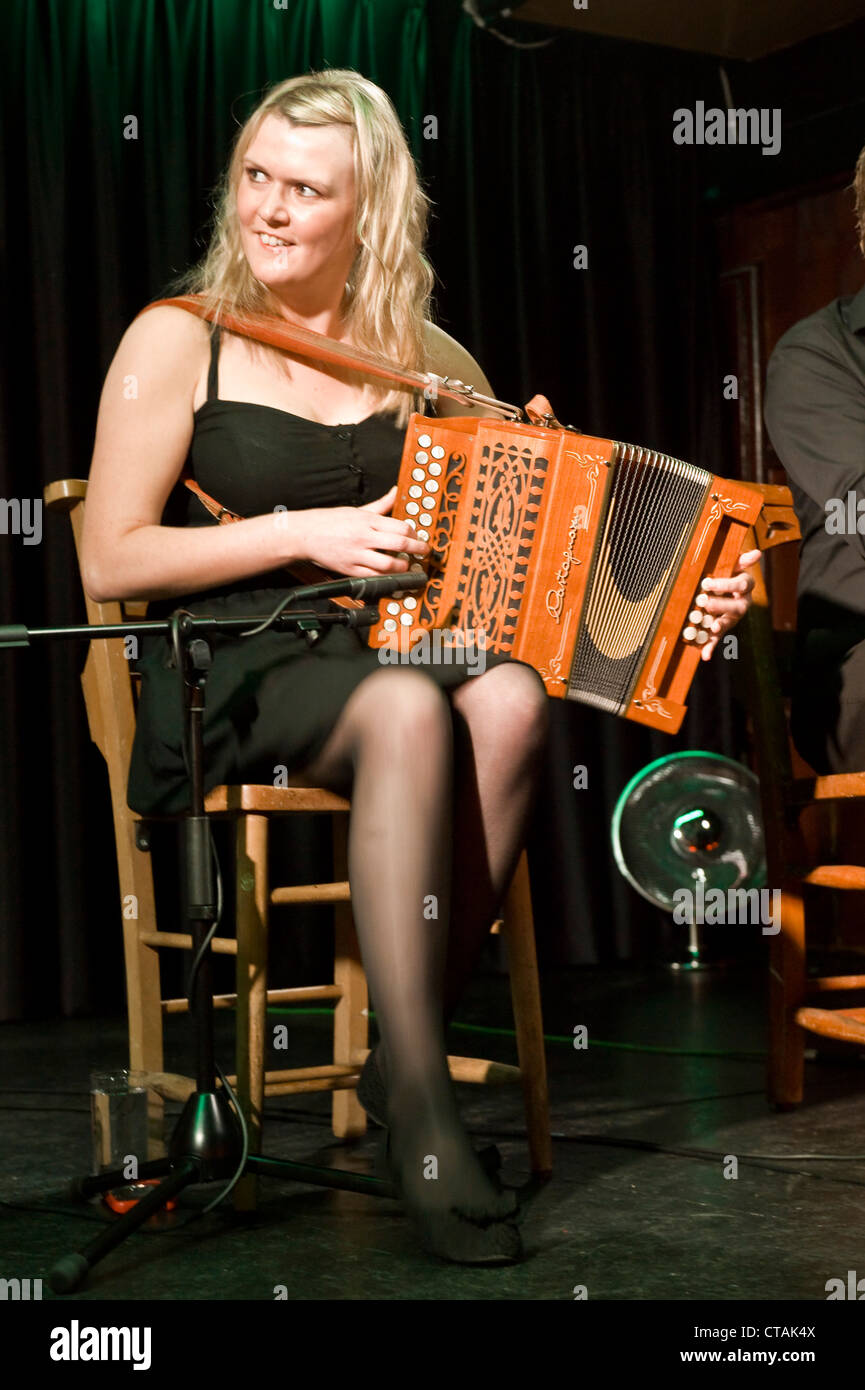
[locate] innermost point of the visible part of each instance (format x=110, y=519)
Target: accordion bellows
x=582, y=557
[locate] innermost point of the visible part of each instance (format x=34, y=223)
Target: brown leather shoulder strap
x=291, y=337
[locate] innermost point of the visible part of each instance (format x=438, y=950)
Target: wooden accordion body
x=580, y=556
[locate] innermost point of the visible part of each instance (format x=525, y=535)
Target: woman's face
x=297, y=189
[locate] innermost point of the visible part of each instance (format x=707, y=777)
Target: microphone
x=375, y=587
x=363, y=617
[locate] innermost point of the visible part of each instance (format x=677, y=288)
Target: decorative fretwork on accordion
x=580, y=556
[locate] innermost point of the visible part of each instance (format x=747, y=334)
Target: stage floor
x=620, y=1217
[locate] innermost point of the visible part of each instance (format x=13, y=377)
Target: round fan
x=690, y=821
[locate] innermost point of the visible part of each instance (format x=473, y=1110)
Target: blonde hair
x=387, y=295
x=858, y=187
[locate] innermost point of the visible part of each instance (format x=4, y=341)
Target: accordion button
x=423, y=535
x=424, y=441
x=428, y=501
x=702, y=638
x=412, y=524
x=406, y=619
x=421, y=457
x=425, y=519
x=689, y=634
x=696, y=616
x=389, y=624
x=432, y=486
x=418, y=474
x=393, y=608
x=435, y=468
x=438, y=452
x=411, y=602
x=412, y=508
x=415, y=491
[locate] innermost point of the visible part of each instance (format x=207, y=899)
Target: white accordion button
x=406, y=619
x=438, y=452
x=389, y=624
x=412, y=508
x=425, y=519
x=418, y=474
x=689, y=634
x=421, y=457
x=424, y=535
x=435, y=468
x=702, y=638
x=432, y=486
x=411, y=601
x=428, y=501
x=409, y=522
x=393, y=608
x=415, y=491
x=696, y=616
x=424, y=441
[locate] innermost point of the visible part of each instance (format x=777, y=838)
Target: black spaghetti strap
x=213, y=370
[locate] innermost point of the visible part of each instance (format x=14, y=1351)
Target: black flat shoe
x=455, y=1237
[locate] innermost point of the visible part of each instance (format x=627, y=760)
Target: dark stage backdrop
x=532, y=154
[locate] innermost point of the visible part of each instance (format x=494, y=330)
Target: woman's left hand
x=727, y=599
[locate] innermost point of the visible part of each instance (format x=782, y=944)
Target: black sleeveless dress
x=272, y=700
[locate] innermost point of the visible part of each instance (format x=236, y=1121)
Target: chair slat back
x=107, y=677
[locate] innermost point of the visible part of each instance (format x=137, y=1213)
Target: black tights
x=422, y=781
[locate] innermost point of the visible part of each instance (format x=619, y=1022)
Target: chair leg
x=350, y=1022
x=253, y=899
x=786, y=994
x=143, y=987
x=519, y=936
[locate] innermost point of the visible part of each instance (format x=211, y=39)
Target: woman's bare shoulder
x=163, y=350
x=167, y=327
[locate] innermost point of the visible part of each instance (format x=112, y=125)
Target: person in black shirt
x=815, y=415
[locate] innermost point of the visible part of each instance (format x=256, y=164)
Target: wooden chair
x=109, y=693
x=808, y=822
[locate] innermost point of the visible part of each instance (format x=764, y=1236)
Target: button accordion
x=582, y=557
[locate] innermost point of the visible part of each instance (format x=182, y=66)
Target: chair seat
x=272, y=800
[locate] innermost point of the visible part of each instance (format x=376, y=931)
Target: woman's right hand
x=357, y=541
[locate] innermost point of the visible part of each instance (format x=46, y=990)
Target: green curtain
x=534, y=151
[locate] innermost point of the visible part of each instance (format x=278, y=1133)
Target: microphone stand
x=208, y=1143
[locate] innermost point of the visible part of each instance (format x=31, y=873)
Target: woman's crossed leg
x=392, y=750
